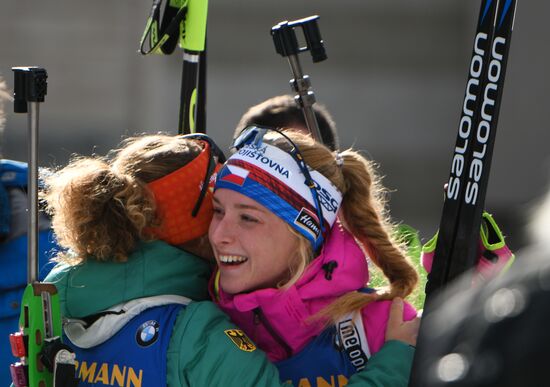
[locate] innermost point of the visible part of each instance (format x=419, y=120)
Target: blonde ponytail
x=364, y=214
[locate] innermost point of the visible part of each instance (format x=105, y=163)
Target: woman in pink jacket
x=294, y=229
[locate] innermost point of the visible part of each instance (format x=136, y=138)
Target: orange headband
x=176, y=195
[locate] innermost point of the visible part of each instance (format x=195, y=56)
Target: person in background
x=295, y=227
x=13, y=244
x=282, y=112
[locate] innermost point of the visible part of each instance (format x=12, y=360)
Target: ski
x=457, y=243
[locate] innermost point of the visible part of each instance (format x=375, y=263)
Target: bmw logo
x=147, y=333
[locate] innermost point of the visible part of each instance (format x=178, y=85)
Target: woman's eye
x=248, y=218
x=217, y=211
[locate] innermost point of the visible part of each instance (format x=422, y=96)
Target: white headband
x=273, y=178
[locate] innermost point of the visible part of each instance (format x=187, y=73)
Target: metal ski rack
x=286, y=44
x=44, y=360
x=30, y=88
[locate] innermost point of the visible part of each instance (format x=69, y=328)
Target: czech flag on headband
x=234, y=175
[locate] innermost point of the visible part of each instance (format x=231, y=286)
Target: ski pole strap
x=183, y=22
x=493, y=255
x=162, y=36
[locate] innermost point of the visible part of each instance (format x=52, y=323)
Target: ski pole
x=45, y=362
x=192, y=116
x=183, y=22
x=286, y=45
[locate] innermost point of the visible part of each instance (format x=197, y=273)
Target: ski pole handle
x=286, y=44
x=30, y=87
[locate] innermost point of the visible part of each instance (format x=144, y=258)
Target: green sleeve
x=389, y=367
x=201, y=352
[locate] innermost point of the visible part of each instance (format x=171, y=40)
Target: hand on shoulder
x=397, y=329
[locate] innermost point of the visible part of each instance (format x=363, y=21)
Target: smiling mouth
x=232, y=259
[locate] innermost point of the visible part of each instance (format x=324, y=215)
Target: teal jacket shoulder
x=205, y=348
x=218, y=353
x=155, y=268
x=390, y=367
x=215, y=352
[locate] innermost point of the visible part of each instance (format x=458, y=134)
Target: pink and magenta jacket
x=279, y=320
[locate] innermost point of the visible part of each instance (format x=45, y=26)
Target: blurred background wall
x=394, y=81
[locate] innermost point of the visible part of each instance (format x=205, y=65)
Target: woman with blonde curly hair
x=138, y=261
x=294, y=228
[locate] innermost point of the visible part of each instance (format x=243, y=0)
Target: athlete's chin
x=233, y=288
x=231, y=283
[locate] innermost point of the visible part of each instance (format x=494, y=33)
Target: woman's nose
x=221, y=231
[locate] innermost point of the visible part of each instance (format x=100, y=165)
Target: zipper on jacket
x=259, y=318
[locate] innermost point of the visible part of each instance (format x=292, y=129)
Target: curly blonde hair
x=101, y=207
x=364, y=213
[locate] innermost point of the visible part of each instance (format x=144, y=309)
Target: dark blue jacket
x=13, y=254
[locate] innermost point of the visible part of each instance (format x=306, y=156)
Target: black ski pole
x=286, y=44
x=192, y=113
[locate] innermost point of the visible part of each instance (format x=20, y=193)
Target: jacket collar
x=350, y=272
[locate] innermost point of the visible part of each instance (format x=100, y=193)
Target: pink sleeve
x=375, y=319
